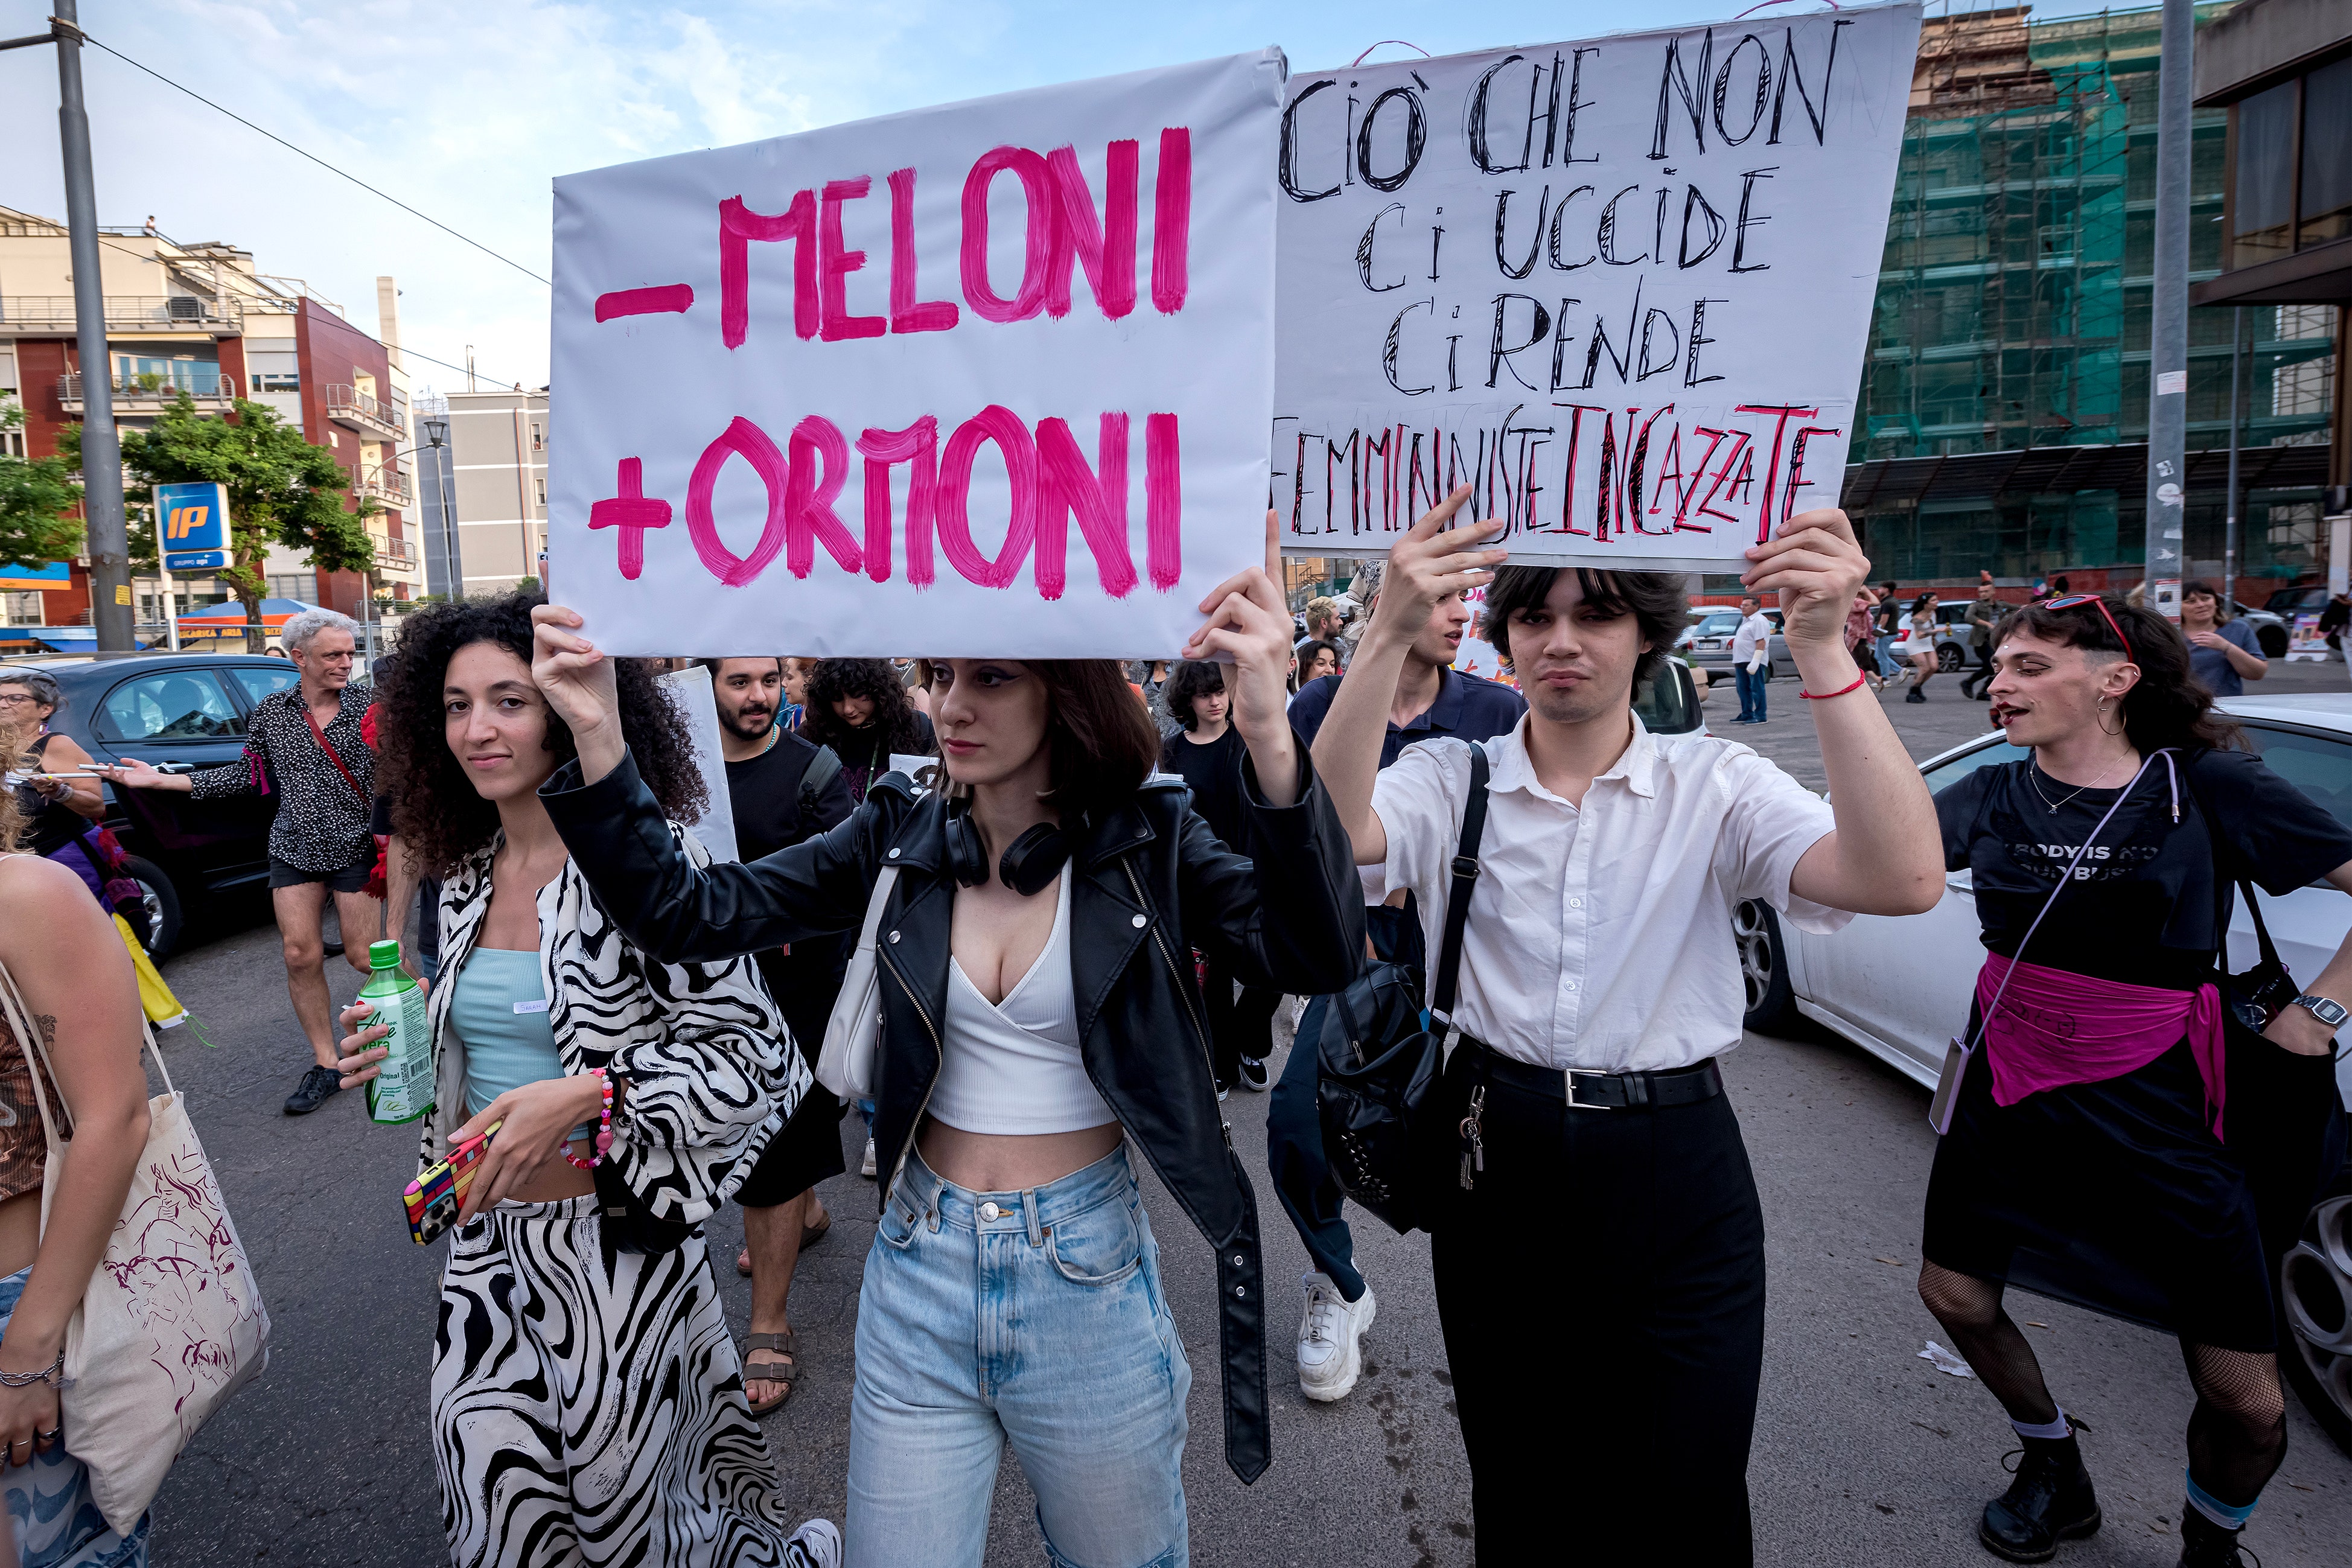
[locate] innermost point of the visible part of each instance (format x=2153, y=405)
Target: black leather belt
x=1582, y=1090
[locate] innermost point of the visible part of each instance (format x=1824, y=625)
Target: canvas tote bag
x=171, y=1324
x=854, y=1033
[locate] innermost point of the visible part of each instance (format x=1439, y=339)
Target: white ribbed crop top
x=1013, y=1068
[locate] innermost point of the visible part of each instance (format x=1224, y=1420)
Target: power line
x=227, y=281
x=289, y=146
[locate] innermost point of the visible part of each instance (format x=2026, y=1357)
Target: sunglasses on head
x=2075, y=601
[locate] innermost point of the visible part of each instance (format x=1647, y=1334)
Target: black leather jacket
x=1152, y=883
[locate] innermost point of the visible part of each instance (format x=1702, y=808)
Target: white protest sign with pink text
x=1620, y=286
x=989, y=378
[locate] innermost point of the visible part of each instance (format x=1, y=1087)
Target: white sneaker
x=1328, y=1327
x=816, y=1544
x=866, y=1166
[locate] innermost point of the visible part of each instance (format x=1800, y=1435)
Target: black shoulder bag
x=1381, y=1063
x=2283, y=1119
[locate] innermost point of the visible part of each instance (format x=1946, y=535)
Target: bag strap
x=1458, y=895
x=321, y=736
x=2065, y=876
x=2221, y=883
x=882, y=886
x=36, y=1054
x=823, y=769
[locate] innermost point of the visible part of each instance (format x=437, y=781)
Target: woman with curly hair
x=861, y=708
x=586, y=1397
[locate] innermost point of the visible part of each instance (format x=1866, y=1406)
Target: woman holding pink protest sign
x=1030, y=932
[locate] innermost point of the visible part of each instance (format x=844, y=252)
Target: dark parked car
x=180, y=712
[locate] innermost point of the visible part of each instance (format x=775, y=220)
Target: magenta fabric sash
x=2055, y=1028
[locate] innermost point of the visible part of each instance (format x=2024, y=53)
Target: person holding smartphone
x=586, y=1395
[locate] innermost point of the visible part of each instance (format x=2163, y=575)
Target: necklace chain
x=2035, y=766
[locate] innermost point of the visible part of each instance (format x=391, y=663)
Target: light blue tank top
x=499, y=1011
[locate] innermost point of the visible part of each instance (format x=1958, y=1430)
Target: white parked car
x=1900, y=987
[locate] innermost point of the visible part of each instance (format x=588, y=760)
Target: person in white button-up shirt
x=1600, y=1280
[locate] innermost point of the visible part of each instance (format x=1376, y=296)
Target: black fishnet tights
x=2237, y=1434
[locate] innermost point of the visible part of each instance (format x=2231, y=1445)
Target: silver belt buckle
x=1575, y=1104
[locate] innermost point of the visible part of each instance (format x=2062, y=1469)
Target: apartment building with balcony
x=203, y=320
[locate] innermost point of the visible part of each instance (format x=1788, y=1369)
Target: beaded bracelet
x=603, y=1129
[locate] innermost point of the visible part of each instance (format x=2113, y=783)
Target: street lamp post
x=436, y=436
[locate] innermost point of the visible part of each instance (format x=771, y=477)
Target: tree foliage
x=283, y=489
x=37, y=499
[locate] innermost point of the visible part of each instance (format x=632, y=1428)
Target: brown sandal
x=764, y=1362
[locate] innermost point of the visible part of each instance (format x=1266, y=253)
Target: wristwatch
x=2332, y=1013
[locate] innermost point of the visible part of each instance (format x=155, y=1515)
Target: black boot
x=2205, y=1544
x=2050, y=1501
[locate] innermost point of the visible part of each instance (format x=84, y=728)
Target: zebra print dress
x=588, y=1404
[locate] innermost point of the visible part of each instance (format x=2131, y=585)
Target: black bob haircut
x=1659, y=603
x=1189, y=682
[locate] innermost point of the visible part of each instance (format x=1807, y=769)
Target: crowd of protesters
x=1083, y=919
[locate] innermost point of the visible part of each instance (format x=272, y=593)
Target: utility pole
x=111, y=609
x=111, y=612
x=2229, y=511
x=2167, y=403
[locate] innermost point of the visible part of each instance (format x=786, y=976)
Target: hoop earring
x=2100, y=719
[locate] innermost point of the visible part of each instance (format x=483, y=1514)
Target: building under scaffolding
x=2004, y=404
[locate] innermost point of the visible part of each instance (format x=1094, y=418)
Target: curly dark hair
x=894, y=723
x=434, y=808
x=1190, y=681
x=2169, y=707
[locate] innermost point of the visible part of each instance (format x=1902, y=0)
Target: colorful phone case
x=436, y=1194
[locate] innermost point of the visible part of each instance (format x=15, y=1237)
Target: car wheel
x=1949, y=659
x=162, y=901
x=2315, y=1296
x=2273, y=640
x=1763, y=967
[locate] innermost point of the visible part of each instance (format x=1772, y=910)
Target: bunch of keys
x=1474, y=1149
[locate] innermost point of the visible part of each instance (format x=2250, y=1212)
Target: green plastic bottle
x=402, y=1090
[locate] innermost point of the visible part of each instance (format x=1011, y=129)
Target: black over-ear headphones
x=1028, y=864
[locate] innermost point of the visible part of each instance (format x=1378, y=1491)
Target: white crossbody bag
x=171, y=1324
x=853, y=1034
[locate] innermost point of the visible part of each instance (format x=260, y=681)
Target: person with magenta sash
x=2090, y=1154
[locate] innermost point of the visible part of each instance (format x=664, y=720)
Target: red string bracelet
x=1825, y=696
x=604, y=1128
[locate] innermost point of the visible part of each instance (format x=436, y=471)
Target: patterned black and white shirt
x=322, y=823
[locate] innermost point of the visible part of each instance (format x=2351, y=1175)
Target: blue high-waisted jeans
x=1043, y=1327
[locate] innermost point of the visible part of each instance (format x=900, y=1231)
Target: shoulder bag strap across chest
x=321, y=736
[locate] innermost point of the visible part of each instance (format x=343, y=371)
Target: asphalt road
x=1864, y=1454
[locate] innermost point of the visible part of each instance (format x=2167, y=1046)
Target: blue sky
x=466, y=108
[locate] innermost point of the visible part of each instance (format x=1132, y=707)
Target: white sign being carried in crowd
x=847, y=392
x=1621, y=287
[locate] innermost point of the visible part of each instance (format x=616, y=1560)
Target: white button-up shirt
x=1600, y=937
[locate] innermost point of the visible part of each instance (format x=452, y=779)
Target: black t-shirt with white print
x=2140, y=907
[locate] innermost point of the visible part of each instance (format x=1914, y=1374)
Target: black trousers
x=1602, y=1290
x=1237, y=1027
